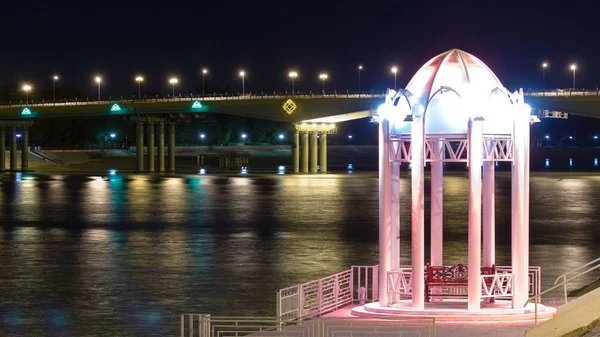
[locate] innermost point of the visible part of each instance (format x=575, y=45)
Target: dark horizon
x=267, y=39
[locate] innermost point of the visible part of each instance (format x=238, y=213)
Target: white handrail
x=564, y=283
x=564, y=276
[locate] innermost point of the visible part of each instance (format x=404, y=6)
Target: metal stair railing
x=564, y=283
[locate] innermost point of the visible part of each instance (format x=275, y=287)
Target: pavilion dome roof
x=455, y=69
x=453, y=87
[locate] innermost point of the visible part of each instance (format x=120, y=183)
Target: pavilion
x=453, y=110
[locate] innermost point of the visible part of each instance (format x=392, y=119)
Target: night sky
x=158, y=39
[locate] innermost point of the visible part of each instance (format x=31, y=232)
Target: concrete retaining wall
x=572, y=316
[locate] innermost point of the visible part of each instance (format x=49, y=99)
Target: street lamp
x=98, y=80
x=243, y=76
x=202, y=136
x=544, y=66
x=574, y=68
x=360, y=68
x=54, y=79
x=280, y=139
x=394, y=71
x=293, y=76
x=323, y=77
x=139, y=80
x=27, y=89
x=204, y=72
x=244, y=137
x=173, y=81
x=349, y=139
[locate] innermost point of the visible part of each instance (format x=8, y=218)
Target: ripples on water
x=126, y=254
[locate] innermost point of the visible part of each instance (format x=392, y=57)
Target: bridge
x=577, y=102
x=313, y=117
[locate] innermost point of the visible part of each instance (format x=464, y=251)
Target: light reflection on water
x=129, y=253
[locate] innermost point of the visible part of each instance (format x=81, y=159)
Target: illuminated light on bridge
x=113, y=135
x=547, y=137
x=453, y=102
x=26, y=111
x=316, y=127
x=115, y=107
x=289, y=106
x=196, y=105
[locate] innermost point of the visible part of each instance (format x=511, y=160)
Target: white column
x=489, y=211
x=418, y=213
x=475, y=161
x=519, y=230
x=437, y=207
x=395, y=222
x=395, y=216
x=384, y=211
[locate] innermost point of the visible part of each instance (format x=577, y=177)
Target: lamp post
x=350, y=139
x=360, y=68
x=98, y=80
x=27, y=89
x=243, y=76
x=112, y=139
x=139, y=80
x=173, y=81
x=244, y=136
x=202, y=136
x=394, y=71
x=323, y=77
x=544, y=66
x=293, y=76
x=574, y=68
x=54, y=79
x=280, y=139
x=204, y=72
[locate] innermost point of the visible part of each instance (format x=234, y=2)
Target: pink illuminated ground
x=462, y=329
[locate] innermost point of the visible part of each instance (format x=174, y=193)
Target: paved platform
x=460, y=328
x=456, y=311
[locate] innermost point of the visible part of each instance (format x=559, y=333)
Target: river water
x=124, y=255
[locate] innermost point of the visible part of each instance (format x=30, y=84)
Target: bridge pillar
x=25, y=149
x=150, y=145
x=296, y=153
x=323, y=153
x=2, y=148
x=13, y=148
x=313, y=152
x=139, y=133
x=161, y=147
x=171, y=147
x=304, y=152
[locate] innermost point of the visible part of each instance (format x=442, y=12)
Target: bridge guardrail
x=563, y=93
x=77, y=101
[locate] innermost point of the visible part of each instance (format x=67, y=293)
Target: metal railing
x=203, y=325
x=317, y=297
x=498, y=285
x=537, y=297
x=215, y=97
x=564, y=276
x=564, y=92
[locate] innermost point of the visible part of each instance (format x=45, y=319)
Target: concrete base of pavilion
x=455, y=311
